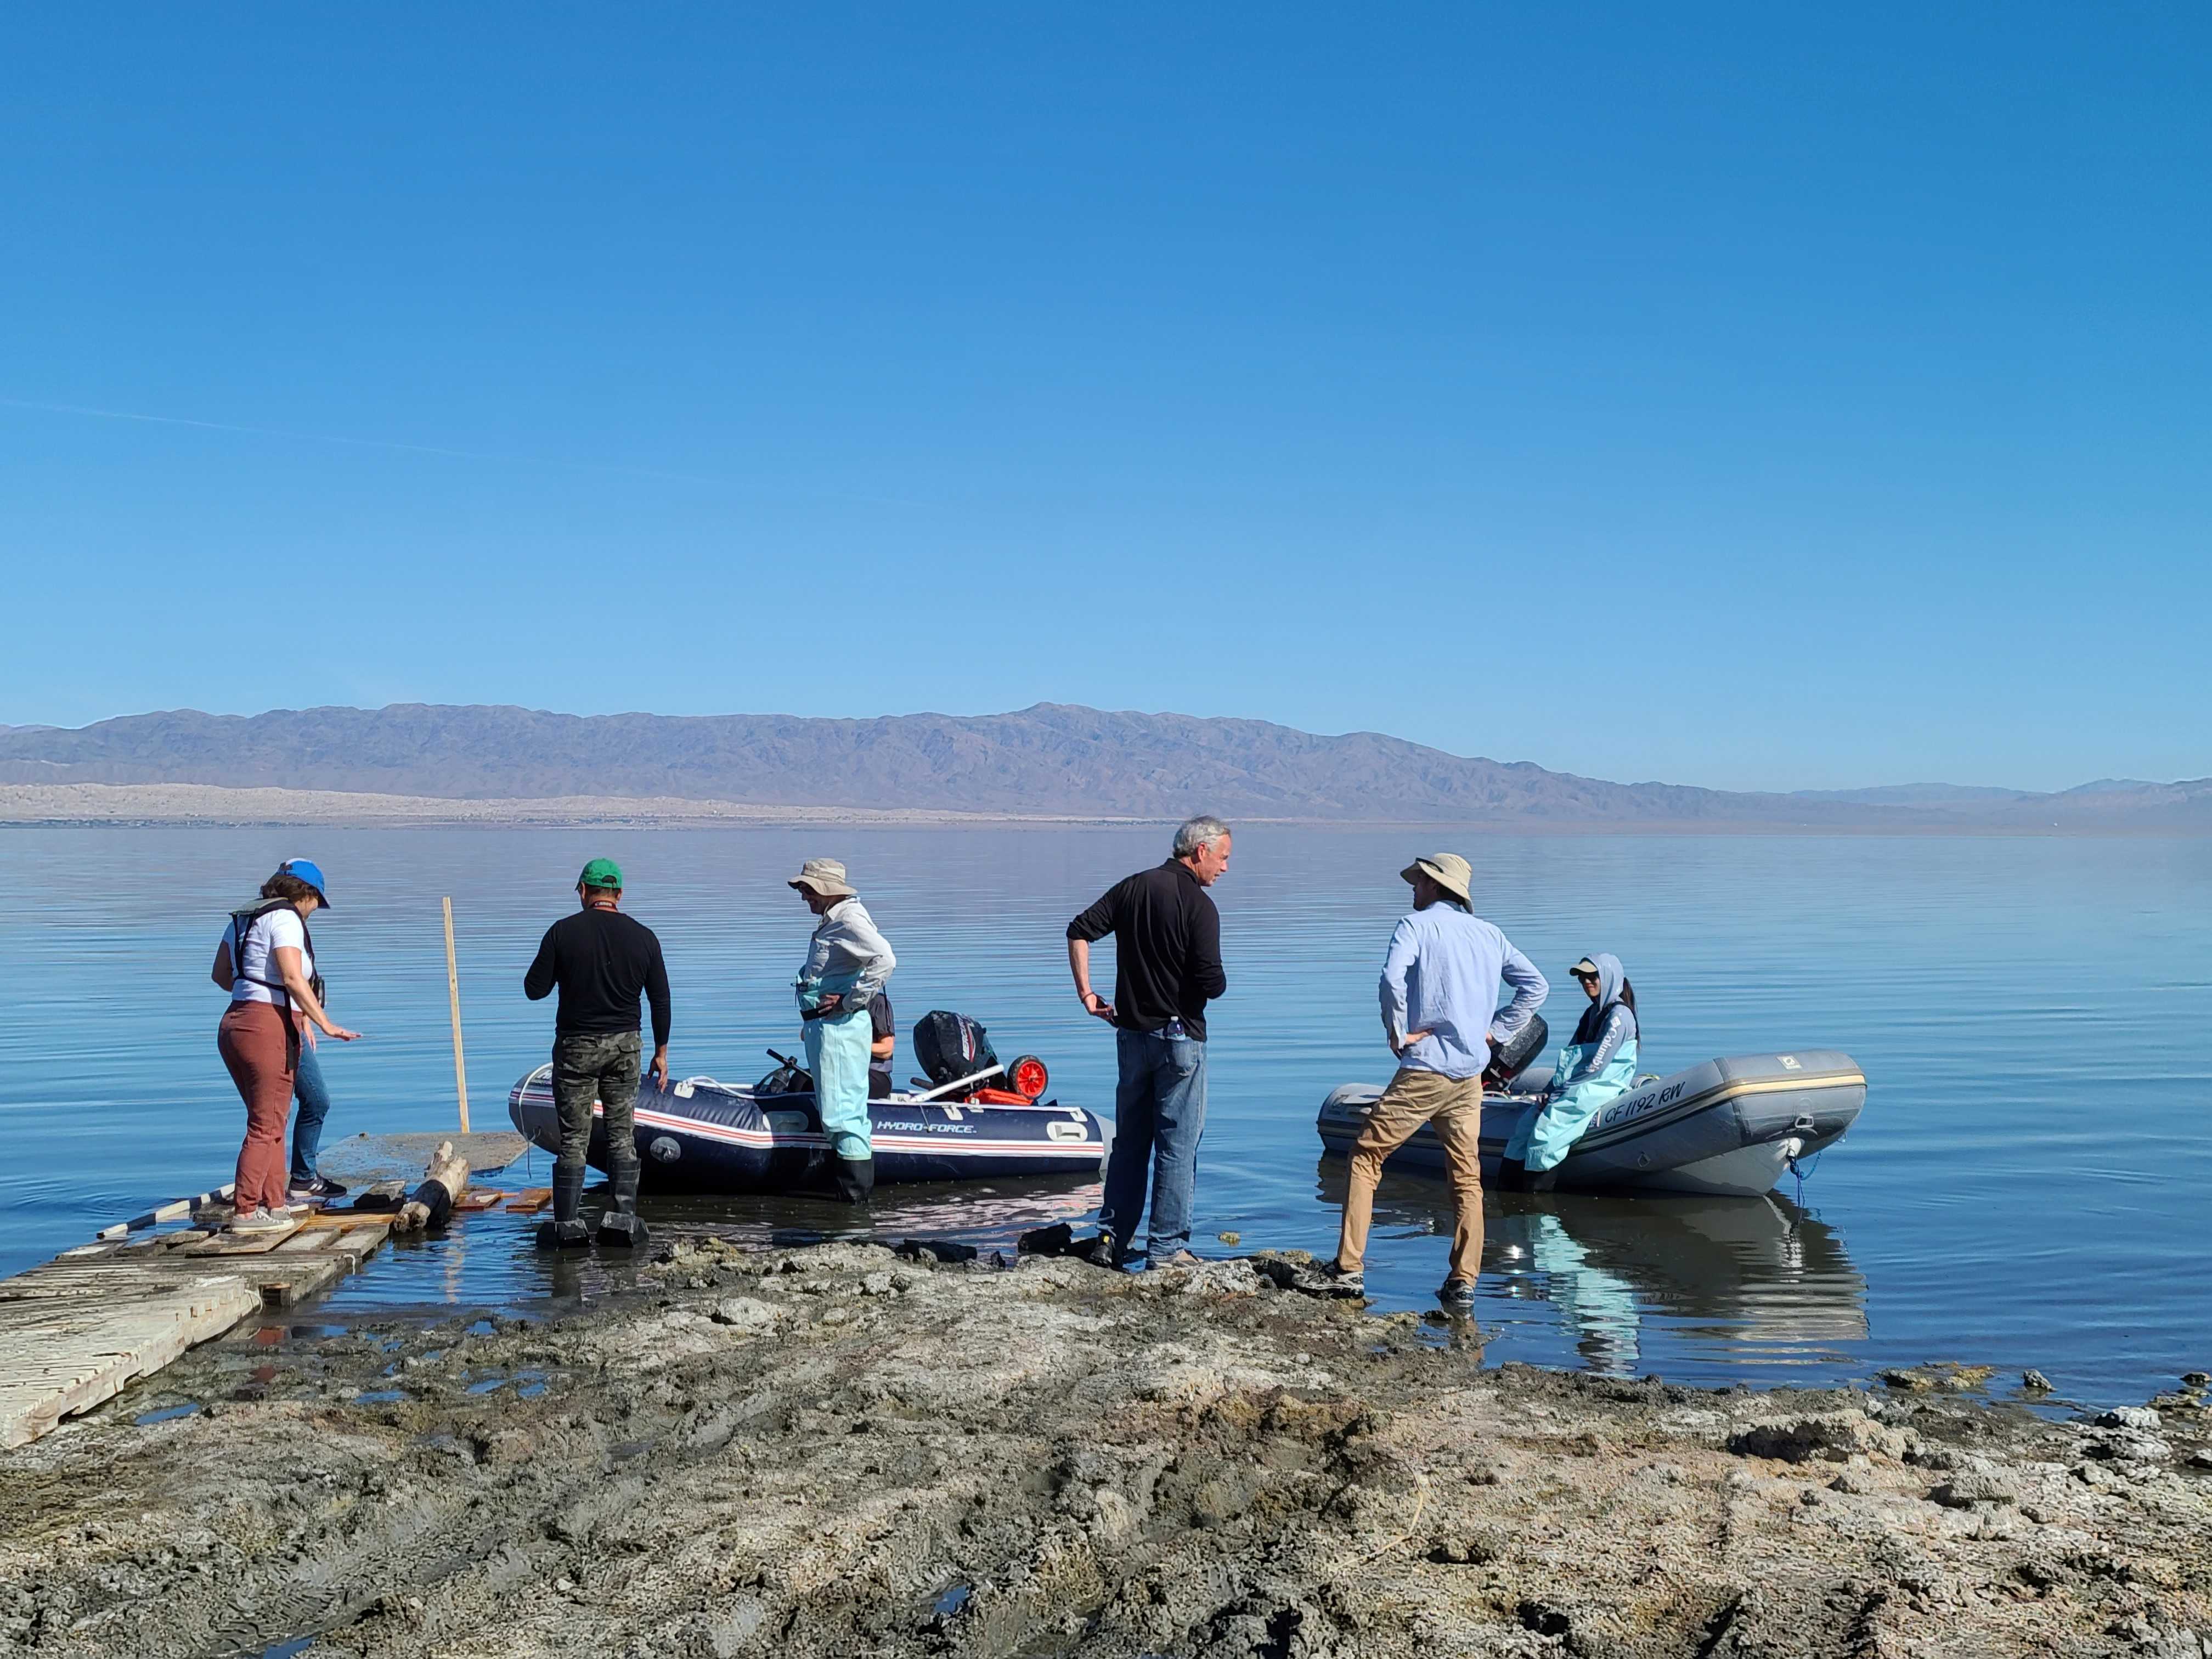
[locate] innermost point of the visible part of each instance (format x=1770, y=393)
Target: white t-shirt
x=280, y=927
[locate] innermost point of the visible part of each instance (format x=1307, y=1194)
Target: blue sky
x=1739, y=396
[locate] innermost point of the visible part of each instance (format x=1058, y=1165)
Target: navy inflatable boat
x=701, y=1136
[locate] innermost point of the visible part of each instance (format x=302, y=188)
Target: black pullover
x=602, y=961
x=1167, y=950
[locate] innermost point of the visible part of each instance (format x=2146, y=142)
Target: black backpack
x=951, y=1046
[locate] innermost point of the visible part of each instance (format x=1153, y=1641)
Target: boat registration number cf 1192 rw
x=1636, y=1105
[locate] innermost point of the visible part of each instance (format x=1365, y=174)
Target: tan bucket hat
x=1447, y=870
x=826, y=876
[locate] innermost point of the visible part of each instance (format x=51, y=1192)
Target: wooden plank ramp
x=99, y=1316
x=85, y=1326
x=62, y=1356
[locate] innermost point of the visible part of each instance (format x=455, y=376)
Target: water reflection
x=490, y=1259
x=1621, y=1285
x=1756, y=1276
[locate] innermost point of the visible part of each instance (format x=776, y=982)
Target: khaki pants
x=1454, y=1106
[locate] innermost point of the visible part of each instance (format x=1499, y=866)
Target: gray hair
x=1196, y=832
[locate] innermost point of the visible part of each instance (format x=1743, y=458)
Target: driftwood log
x=445, y=1179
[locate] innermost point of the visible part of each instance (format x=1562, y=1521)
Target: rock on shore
x=839, y=1451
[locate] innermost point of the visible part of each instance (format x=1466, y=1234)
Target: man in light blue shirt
x=1440, y=1016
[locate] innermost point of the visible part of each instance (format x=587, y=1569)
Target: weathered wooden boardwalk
x=95, y=1319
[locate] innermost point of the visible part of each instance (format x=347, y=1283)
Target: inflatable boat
x=1730, y=1126
x=701, y=1136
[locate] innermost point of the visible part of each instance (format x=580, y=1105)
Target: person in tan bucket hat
x=847, y=961
x=825, y=878
x=1440, y=1016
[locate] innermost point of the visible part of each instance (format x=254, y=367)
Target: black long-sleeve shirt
x=1167, y=952
x=603, y=962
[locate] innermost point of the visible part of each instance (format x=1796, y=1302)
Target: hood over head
x=1610, y=976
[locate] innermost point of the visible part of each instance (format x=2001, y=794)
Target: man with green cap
x=603, y=962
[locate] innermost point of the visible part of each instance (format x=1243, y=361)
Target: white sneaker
x=262, y=1221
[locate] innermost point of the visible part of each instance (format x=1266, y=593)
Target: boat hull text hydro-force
x=701, y=1136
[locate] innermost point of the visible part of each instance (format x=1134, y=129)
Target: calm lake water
x=2027, y=1186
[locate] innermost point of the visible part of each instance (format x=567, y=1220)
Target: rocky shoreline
x=844, y=1450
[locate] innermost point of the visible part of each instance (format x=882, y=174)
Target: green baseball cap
x=601, y=872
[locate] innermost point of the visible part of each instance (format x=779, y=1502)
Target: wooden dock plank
x=79, y=1330
x=239, y=1243
x=304, y=1276
x=359, y=1243
x=341, y=1219
x=86, y=1354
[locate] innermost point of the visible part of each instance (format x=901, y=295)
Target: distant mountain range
x=1054, y=759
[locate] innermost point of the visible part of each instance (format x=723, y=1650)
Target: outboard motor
x=1515, y=1055
x=954, y=1048
x=951, y=1046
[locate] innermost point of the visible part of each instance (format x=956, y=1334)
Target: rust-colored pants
x=256, y=1043
x=1454, y=1106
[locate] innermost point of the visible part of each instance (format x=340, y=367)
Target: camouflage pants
x=604, y=1070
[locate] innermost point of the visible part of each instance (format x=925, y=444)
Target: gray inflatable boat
x=1729, y=1125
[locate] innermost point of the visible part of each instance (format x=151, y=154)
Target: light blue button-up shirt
x=1441, y=975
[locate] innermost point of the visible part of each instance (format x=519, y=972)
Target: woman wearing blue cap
x=266, y=961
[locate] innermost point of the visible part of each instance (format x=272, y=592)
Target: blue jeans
x=314, y=1106
x=1159, y=1112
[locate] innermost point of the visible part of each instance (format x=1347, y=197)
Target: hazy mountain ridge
x=1052, y=758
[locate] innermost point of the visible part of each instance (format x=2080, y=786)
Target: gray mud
x=837, y=1451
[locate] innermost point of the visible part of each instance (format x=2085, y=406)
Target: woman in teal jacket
x=1595, y=1070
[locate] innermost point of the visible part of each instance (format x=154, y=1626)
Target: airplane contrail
x=360, y=443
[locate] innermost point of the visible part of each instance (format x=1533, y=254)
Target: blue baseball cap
x=308, y=870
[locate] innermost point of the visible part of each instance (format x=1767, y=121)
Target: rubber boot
x=566, y=1230
x=1543, y=1182
x=619, y=1225
x=1512, y=1175
x=853, y=1178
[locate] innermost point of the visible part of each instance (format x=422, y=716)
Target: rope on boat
x=1804, y=1175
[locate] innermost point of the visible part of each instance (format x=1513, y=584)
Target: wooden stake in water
x=454, y=991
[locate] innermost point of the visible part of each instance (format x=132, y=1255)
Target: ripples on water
x=2025, y=1186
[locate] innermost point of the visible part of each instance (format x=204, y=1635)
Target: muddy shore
x=844, y=1451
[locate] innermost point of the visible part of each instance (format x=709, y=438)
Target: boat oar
x=967, y=1082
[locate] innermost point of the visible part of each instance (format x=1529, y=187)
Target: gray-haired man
x=1167, y=968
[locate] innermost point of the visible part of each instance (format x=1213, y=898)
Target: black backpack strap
x=241, y=924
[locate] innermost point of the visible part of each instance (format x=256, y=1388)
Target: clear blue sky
x=1743, y=396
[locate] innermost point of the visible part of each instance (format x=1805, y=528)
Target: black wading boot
x=1512, y=1175
x=566, y=1230
x=1543, y=1182
x=854, y=1178
x=619, y=1225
